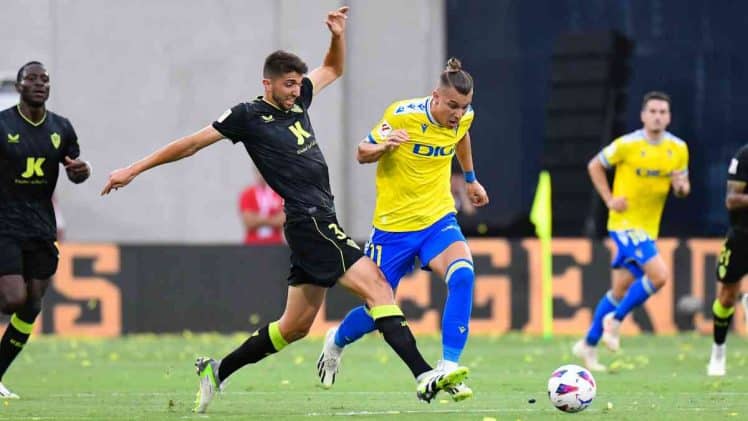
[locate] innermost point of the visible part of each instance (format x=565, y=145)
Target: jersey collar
x=653, y=142
x=296, y=108
x=431, y=118
x=266, y=102
x=28, y=120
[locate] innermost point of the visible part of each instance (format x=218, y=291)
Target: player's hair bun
x=453, y=65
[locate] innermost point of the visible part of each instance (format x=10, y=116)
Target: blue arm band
x=470, y=176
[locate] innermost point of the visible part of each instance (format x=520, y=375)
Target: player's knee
x=659, y=280
x=460, y=277
x=619, y=288
x=727, y=297
x=12, y=300
x=617, y=293
x=13, y=293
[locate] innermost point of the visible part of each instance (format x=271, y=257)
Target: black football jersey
x=284, y=149
x=738, y=171
x=30, y=159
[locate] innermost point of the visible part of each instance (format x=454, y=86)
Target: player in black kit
x=33, y=143
x=276, y=132
x=732, y=265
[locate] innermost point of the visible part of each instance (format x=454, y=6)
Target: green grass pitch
x=149, y=377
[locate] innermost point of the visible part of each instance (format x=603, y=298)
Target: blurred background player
x=413, y=146
x=261, y=210
x=648, y=161
x=34, y=142
x=732, y=265
x=276, y=131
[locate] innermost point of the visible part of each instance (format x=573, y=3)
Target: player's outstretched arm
x=475, y=191
x=174, y=151
x=332, y=66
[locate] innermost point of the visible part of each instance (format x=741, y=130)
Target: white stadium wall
x=133, y=75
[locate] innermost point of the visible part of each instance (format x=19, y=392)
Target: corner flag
x=540, y=215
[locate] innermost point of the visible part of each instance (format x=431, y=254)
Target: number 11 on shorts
x=375, y=252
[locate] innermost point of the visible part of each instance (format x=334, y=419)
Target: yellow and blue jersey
x=413, y=181
x=642, y=176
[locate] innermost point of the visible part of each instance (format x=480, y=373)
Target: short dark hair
x=658, y=95
x=453, y=76
x=282, y=62
x=19, y=76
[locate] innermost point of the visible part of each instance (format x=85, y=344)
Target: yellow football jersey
x=642, y=176
x=413, y=181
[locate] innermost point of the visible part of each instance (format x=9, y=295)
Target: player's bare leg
x=656, y=275
x=302, y=305
x=586, y=348
x=21, y=321
x=366, y=280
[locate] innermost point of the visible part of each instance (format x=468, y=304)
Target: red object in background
x=261, y=199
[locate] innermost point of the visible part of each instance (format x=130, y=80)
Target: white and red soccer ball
x=571, y=388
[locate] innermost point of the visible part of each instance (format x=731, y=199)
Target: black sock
x=399, y=337
x=15, y=337
x=262, y=343
x=721, y=317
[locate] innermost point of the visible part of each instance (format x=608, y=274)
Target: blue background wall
x=691, y=49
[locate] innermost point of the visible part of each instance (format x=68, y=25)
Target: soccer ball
x=571, y=388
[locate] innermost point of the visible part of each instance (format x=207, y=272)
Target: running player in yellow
x=648, y=162
x=414, y=145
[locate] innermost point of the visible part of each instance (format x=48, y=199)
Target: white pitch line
x=475, y=411
x=359, y=393
x=410, y=412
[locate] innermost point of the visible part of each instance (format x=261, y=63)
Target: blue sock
x=460, y=280
x=637, y=294
x=356, y=324
x=606, y=305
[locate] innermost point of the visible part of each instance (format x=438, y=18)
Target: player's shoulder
x=249, y=107
x=411, y=106
x=675, y=140
x=469, y=114
x=242, y=110
x=58, y=119
x=7, y=115
x=8, y=112
x=742, y=153
x=631, y=137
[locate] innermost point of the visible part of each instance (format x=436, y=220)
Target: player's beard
x=281, y=101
